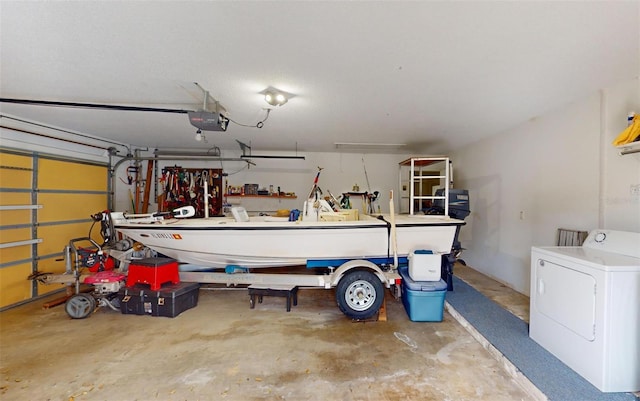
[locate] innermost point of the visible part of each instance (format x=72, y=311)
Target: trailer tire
x=360, y=294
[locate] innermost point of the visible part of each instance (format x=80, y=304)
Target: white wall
x=341, y=171
x=621, y=207
x=556, y=171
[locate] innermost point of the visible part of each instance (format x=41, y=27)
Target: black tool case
x=170, y=300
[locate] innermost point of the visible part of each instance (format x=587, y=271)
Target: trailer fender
x=358, y=264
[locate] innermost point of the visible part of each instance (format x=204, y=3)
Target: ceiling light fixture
x=276, y=97
x=212, y=152
x=368, y=145
x=244, y=147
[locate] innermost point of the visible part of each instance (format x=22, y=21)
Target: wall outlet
x=634, y=191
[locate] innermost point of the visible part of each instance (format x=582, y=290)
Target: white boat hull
x=221, y=242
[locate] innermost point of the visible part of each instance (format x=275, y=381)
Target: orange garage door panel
x=59, y=205
x=14, y=284
x=57, y=174
x=58, y=236
x=66, y=207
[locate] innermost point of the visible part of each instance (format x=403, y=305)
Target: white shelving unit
x=415, y=172
x=629, y=148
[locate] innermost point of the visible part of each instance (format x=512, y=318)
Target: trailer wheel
x=80, y=306
x=360, y=294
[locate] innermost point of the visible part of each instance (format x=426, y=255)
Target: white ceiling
x=432, y=75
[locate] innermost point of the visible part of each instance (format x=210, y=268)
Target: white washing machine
x=585, y=307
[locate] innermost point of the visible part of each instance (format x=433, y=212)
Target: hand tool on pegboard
x=147, y=187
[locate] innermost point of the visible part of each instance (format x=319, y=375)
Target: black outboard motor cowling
x=458, y=209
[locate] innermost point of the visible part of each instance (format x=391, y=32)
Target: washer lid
x=594, y=258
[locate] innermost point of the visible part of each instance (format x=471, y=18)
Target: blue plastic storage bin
x=423, y=300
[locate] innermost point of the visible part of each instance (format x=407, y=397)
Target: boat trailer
x=359, y=283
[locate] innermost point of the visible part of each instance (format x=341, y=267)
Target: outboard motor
x=458, y=209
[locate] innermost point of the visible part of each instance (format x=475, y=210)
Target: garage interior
x=103, y=103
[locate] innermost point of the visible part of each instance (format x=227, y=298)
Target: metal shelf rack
x=418, y=175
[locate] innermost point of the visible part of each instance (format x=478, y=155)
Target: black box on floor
x=170, y=300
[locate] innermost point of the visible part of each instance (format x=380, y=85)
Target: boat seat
x=259, y=290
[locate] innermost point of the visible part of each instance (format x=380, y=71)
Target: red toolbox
x=170, y=300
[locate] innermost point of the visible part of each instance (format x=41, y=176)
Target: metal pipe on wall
x=602, y=160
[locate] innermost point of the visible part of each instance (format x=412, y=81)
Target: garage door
x=46, y=201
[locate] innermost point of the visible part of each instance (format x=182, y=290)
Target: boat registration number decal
x=167, y=236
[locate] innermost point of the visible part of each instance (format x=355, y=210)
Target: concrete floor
x=223, y=350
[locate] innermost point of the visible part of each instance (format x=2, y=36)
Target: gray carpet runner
x=510, y=335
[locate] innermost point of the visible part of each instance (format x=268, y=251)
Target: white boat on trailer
x=361, y=255
x=220, y=242
x=356, y=250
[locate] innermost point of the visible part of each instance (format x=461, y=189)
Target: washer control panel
x=600, y=236
x=622, y=242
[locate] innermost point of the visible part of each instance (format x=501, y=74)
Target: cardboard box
x=324, y=216
x=352, y=214
x=251, y=189
x=423, y=300
x=342, y=215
